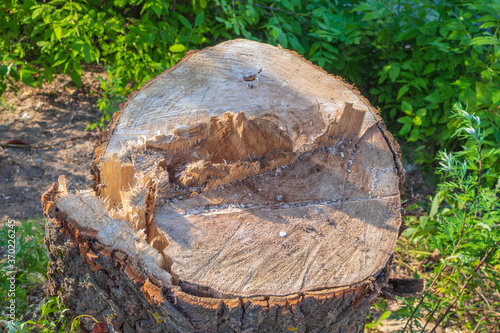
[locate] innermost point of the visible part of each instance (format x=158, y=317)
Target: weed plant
x=31, y=261
x=110, y=99
x=30, y=273
x=463, y=228
x=412, y=58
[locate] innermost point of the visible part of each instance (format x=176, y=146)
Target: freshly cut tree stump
x=242, y=190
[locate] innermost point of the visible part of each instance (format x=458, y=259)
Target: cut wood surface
x=245, y=172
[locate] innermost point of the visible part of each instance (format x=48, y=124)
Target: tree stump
x=242, y=190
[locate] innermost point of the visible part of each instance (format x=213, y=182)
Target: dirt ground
x=52, y=122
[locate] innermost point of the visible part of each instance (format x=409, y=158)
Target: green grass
x=25, y=257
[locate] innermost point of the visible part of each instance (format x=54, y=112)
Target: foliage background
x=412, y=58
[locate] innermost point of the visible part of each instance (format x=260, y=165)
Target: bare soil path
x=52, y=121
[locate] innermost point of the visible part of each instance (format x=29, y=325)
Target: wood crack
x=396, y=156
x=224, y=208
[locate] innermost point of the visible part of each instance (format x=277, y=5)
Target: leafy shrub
x=412, y=58
x=30, y=273
x=138, y=38
x=110, y=99
x=463, y=228
x=52, y=319
x=30, y=261
x=429, y=54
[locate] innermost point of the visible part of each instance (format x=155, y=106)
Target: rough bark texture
x=243, y=190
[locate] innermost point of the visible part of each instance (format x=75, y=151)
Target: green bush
x=463, y=226
x=29, y=261
x=428, y=55
x=25, y=258
x=412, y=58
x=138, y=38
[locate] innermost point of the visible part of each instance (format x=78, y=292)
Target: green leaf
x=462, y=83
x=394, y=72
x=275, y=33
x=294, y=42
x=60, y=58
x=405, y=129
x=330, y=48
x=407, y=108
x=385, y=315
x=86, y=53
x=77, y=67
x=283, y=41
x=37, y=12
x=288, y=5
x=120, y=3
x=58, y=32
x=429, y=68
x=421, y=112
x=76, y=78
x=486, y=40
x=363, y=7
x=488, y=25
x=314, y=48
x=402, y=91
x=370, y=16
x=434, y=98
x=405, y=120
x=199, y=19
x=65, y=67
x=488, y=17
x=483, y=93
x=185, y=22
x=414, y=135
x=496, y=134
x=435, y=206
x=27, y=77
x=177, y=48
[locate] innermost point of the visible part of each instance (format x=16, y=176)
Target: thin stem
x=387, y=52
x=479, y=174
x=494, y=36
x=423, y=297
x=432, y=314
x=439, y=274
x=463, y=287
x=477, y=326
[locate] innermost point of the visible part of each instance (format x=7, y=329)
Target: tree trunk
x=242, y=190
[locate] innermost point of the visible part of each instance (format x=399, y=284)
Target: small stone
x=282, y=233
